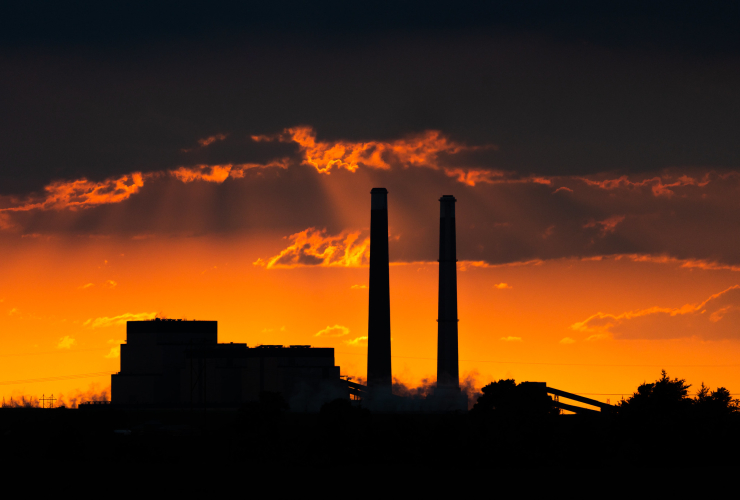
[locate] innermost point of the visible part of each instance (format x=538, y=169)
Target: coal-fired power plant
x=176, y=363
x=379, y=377
x=172, y=363
x=448, y=374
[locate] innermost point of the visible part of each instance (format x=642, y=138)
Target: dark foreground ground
x=357, y=439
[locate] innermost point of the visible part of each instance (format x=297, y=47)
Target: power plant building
x=174, y=363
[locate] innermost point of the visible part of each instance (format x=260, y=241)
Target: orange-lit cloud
x=511, y=339
x=358, y=287
x=82, y=193
x=313, y=247
x=665, y=259
x=333, y=331
x=605, y=226
x=502, y=286
x=115, y=351
x=357, y=342
x=85, y=286
x=567, y=340
x=205, y=142
x=473, y=176
x=210, y=140
x=118, y=320
x=209, y=173
x=660, y=186
x=421, y=150
x=219, y=173
x=239, y=171
x=716, y=317
x=465, y=265
x=65, y=342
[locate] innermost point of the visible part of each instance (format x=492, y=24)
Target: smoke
x=470, y=386
x=21, y=402
x=93, y=393
x=426, y=388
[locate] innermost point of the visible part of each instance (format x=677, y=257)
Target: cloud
x=473, y=176
x=210, y=140
x=659, y=186
x=416, y=150
x=502, y=286
x=717, y=317
x=219, y=173
x=83, y=193
x=313, y=247
x=85, y=286
x=357, y=342
x=118, y=320
x=511, y=339
x=684, y=263
x=115, y=352
x=333, y=331
x=358, y=287
x=498, y=224
x=567, y=340
x=110, y=284
x=65, y=342
x=5, y=222
x=605, y=226
x=420, y=150
x=210, y=173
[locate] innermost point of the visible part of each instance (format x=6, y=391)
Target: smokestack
x=379, y=377
x=448, y=374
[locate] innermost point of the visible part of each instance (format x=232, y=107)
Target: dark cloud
x=95, y=90
x=688, y=215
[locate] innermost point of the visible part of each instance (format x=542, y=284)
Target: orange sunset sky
x=223, y=172
x=542, y=293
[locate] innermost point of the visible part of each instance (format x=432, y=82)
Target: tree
x=664, y=397
x=717, y=403
x=505, y=398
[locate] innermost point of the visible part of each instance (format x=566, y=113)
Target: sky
x=214, y=161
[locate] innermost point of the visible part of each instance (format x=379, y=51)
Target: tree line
x=665, y=397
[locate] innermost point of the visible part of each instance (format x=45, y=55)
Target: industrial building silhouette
x=177, y=363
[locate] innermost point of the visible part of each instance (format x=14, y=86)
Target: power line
x=65, y=351
x=557, y=364
x=58, y=377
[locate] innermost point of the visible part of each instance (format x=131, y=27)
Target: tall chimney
x=379, y=379
x=448, y=374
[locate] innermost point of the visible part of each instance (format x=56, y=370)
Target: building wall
x=180, y=363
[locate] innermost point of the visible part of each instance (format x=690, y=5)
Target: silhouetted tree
x=505, y=398
x=664, y=397
x=717, y=403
